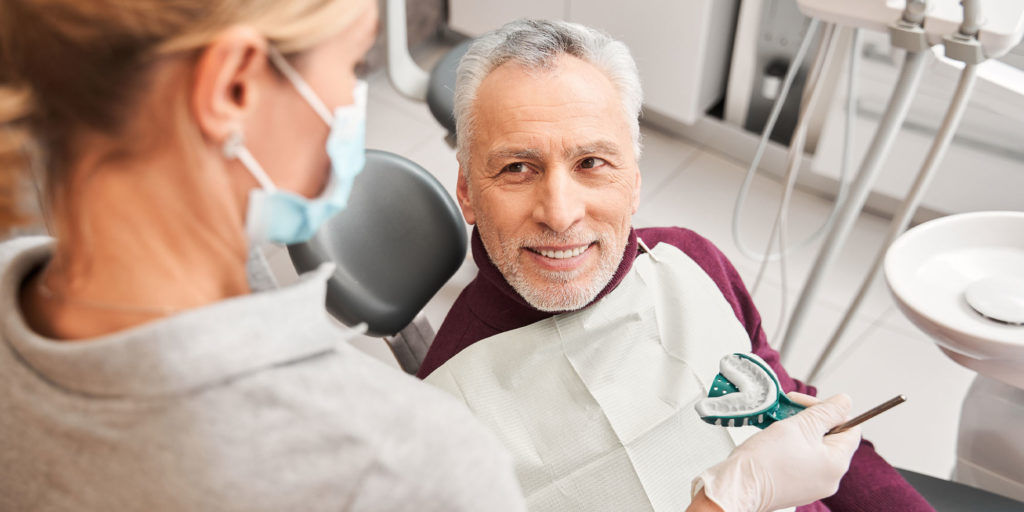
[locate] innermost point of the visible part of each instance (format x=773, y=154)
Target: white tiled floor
x=686, y=185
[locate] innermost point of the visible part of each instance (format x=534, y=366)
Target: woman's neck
x=137, y=243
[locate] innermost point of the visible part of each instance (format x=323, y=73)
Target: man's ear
x=462, y=194
x=226, y=81
x=636, y=192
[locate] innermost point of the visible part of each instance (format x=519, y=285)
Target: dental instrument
x=870, y=413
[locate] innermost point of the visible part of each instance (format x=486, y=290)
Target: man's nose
x=560, y=201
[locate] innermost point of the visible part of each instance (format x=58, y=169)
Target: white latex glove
x=789, y=463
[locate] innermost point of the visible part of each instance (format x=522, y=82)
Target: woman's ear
x=229, y=76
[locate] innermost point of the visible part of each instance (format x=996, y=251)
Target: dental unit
x=958, y=278
x=964, y=43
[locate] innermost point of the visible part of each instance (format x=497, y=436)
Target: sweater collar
x=497, y=304
x=183, y=352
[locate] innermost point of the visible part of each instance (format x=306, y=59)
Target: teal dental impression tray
x=745, y=392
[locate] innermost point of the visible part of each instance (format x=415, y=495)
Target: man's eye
x=592, y=162
x=516, y=168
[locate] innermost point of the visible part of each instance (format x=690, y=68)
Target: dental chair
x=398, y=241
x=393, y=255
x=401, y=238
x=441, y=88
x=947, y=496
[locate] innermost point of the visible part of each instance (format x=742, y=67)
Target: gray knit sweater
x=254, y=403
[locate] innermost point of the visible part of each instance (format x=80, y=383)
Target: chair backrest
x=441, y=87
x=398, y=241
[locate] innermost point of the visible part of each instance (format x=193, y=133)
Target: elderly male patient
x=584, y=343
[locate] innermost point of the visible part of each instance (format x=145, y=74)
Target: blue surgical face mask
x=284, y=217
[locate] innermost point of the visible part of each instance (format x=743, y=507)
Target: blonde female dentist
x=139, y=370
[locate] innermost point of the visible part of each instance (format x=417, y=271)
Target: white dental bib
x=597, y=406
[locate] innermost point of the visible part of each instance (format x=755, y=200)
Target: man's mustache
x=571, y=237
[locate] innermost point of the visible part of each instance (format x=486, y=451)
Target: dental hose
x=762, y=145
x=770, y=126
x=943, y=139
x=823, y=57
x=794, y=156
x=893, y=117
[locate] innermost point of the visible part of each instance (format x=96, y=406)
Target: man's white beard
x=557, y=293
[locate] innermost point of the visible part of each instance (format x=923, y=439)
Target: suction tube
x=794, y=156
x=762, y=145
x=878, y=151
x=822, y=61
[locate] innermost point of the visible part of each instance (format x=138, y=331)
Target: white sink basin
x=931, y=269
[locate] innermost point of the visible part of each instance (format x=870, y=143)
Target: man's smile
x=566, y=257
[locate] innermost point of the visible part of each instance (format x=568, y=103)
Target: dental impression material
x=745, y=392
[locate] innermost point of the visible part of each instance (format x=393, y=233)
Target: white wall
x=681, y=47
x=984, y=168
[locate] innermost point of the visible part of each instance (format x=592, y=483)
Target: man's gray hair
x=535, y=44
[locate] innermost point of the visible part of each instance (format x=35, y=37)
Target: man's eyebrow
x=601, y=147
x=500, y=155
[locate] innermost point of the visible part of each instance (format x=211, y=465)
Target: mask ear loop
x=300, y=85
x=234, y=147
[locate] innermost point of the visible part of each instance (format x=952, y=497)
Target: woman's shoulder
x=347, y=390
x=386, y=391
x=430, y=443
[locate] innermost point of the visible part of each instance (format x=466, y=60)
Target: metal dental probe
x=899, y=399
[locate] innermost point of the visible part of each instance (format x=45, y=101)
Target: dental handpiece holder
x=1002, y=30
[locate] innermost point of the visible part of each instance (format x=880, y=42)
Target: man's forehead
x=555, y=109
x=528, y=151
x=553, y=137
x=565, y=81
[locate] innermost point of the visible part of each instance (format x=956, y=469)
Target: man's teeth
x=561, y=255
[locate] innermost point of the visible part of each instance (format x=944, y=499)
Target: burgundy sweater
x=489, y=306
